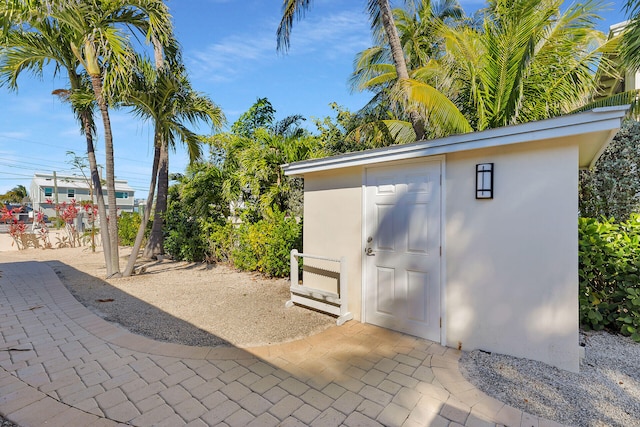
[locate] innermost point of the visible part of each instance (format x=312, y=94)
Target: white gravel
x=606, y=392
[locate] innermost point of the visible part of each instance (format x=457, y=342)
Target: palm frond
x=630, y=48
x=401, y=131
x=630, y=98
x=291, y=9
x=433, y=104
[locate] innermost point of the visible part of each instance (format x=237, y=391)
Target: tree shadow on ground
x=116, y=306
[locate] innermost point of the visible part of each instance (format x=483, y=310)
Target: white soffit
x=594, y=130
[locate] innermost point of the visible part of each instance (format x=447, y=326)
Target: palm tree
x=418, y=29
x=260, y=172
x=16, y=195
x=380, y=12
x=103, y=50
x=165, y=97
x=31, y=42
x=253, y=153
x=528, y=61
x=95, y=36
x=385, y=119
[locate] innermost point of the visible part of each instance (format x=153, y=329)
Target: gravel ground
x=5, y=423
x=606, y=392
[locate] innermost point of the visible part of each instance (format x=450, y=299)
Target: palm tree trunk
x=398, y=59
x=155, y=245
x=97, y=185
x=96, y=82
x=86, y=118
x=147, y=213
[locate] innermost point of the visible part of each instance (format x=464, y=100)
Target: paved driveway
x=61, y=365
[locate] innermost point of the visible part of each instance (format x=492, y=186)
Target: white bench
x=334, y=303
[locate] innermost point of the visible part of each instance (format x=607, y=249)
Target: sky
x=229, y=48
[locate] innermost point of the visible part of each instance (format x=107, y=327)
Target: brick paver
x=81, y=370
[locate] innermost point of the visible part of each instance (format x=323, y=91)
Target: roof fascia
x=596, y=120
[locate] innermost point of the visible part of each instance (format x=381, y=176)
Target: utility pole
x=55, y=187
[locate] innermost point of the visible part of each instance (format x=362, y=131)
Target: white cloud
x=233, y=55
x=14, y=135
x=342, y=33
x=336, y=34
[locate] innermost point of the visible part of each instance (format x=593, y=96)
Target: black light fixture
x=484, y=181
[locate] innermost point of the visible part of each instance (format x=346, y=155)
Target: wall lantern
x=484, y=181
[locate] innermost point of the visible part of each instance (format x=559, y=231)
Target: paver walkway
x=79, y=370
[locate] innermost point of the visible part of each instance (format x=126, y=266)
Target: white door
x=402, y=248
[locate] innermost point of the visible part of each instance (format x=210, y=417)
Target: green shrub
x=184, y=240
x=221, y=241
x=612, y=187
x=128, y=225
x=195, y=209
x=609, y=255
x=265, y=246
x=250, y=245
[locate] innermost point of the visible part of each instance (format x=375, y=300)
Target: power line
x=58, y=146
x=53, y=165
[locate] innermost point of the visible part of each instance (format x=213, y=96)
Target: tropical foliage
x=525, y=60
x=239, y=207
x=419, y=101
x=165, y=97
x=630, y=48
x=530, y=61
x=29, y=44
x=432, y=71
x=250, y=157
x=91, y=41
x=612, y=188
x=91, y=36
x=16, y=195
x=609, y=254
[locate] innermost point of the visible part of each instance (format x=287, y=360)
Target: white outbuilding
x=470, y=241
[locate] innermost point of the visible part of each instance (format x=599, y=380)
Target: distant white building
x=47, y=190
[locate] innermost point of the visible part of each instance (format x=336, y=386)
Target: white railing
x=334, y=303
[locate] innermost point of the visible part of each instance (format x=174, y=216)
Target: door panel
x=402, y=267
x=386, y=293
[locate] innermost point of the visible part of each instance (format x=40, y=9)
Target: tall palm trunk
x=97, y=185
x=147, y=212
x=87, y=124
x=155, y=245
x=96, y=82
x=398, y=59
x=156, y=238
x=157, y=142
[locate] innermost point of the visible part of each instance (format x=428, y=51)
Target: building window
x=122, y=195
x=71, y=193
x=48, y=192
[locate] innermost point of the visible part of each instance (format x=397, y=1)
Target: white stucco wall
x=512, y=262
x=332, y=228
x=510, y=279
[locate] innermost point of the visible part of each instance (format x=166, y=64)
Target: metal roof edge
x=598, y=119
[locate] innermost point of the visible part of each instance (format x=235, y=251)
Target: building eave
x=598, y=127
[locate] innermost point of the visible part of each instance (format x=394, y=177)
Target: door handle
x=369, y=252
